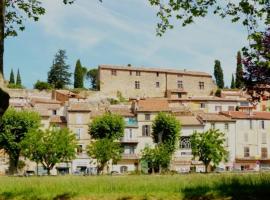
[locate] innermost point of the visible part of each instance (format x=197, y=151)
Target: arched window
x=123, y=169
x=185, y=143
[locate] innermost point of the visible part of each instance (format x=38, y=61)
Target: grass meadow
x=147, y=187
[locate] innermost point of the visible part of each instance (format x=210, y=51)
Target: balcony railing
x=130, y=156
x=129, y=140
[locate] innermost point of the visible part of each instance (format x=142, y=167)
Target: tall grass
x=197, y=186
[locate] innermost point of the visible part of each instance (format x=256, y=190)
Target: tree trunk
x=2, y=35
x=37, y=168
x=206, y=167
x=48, y=171
x=13, y=165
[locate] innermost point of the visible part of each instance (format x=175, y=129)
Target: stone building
x=154, y=82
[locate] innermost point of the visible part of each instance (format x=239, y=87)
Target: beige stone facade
x=150, y=82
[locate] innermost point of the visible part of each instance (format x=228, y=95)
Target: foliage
x=208, y=147
x=239, y=82
x=109, y=126
x=257, y=65
x=42, y=85
x=166, y=130
x=18, y=79
x=49, y=147
x=104, y=150
x=78, y=75
x=218, y=73
x=232, y=83
x=92, y=75
x=58, y=76
x=15, y=86
x=250, y=13
x=14, y=127
x=11, y=77
x=218, y=93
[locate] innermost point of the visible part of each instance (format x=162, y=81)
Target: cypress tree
x=78, y=75
x=239, y=83
x=11, y=77
x=58, y=76
x=18, y=80
x=233, y=83
x=218, y=73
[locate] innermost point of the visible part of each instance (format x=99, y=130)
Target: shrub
x=41, y=85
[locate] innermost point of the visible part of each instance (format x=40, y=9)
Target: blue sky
x=120, y=32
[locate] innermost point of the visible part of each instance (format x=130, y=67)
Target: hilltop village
x=139, y=94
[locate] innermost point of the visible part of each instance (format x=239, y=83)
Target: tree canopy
x=92, y=75
x=239, y=81
x=218, y=73
x=232, y=83
x=11, y=77
x=208, y=147
x=78, y=75
x=15, y=125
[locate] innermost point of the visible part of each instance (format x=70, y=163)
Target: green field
x=196, y=186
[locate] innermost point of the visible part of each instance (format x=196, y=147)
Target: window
x=185, y=143
x=114, y=72
x=128, y=133
x=250, y=124
x=246, y=152
x=157, y=85
x=246, y=137
x=123, y=169
x=147, y=117
x=226, y=126
x=79, y=149
x=138, y=73
x=231, y=108
x=202, y=105
x=137, y=84
x=145, y=130
x=226, y=142
x=130, y=73
x=79, y=119
x=218, y=108
x=264, y=138
x=213, y=126
x=264, y=153
x=129, y=149
x=179, y=95
x=262, y=124
x=78, y=133
x=54, y=112
x=180, y=84
x=157, y=73
x=201, y=85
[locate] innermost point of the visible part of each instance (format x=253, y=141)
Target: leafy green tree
x=15, y=125
x=186, y=12
x=239, y=81
x=218, y=73
x=49, y=147
x=110, y=126
x=58, y=76
x=41, y=85
x=92, y=75
x=166, y=130
x=78, y=75
x=208, y=147
x=11, y=77
x=18, y=79
x=104, y=150
x=232, y=83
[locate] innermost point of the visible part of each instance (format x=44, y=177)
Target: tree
x=58, y=76
x=110, y=126
x=256, y=63
x=49, y=147
x=166, y=130
x=78, y=75
x=18, y=79
x=92, y=75
x=239, y=82
x=218, y=73
x=232, y=83
x=14, y=127
x=11, y=77
x=208, y=147
x=250, y=13
x=41, y=85
x=104, y=150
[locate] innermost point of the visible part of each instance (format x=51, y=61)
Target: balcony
x=129, y=140
x=130, y=156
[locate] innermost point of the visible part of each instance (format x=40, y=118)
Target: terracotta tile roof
x=245, y=115
x=210, y=98
x=189, y=121
x=154, y=105
x=58, y=119
x=161, y=70
x=81, y=107
x=125, y=112
x=69, y=94
x=214, y=117
x=44, y=101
